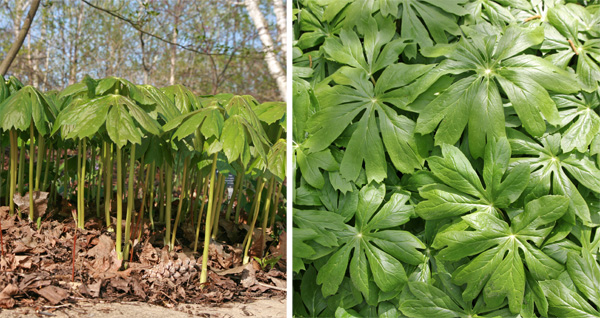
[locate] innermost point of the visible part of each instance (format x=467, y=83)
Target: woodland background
x=209, y=46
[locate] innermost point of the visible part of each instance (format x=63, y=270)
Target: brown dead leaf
x=95, y=288
x=40, y=201
x=6, y=296
x=148, y=256
x=53, y=294
x=249, y=276
x=120, y=284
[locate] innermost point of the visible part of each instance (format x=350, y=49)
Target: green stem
x=65, y=176
x=248, y=240
x=204, y=273
x=138, y=227
x=102, y=157
x=39, y=162
x=119, y=202
x=108, y=194
x=21, y=167
x=217, y=208
x=200, y=213
x=198, y=223
x=130, y=198
x=275, y=205
x=169, y=193
x=151, y=185
x=81, y=183
x=238, y=205
x=199, y=185
x=161, y=192
x=265, y=217
x=31, y=154
x=92, y=173
x=181, y=198
x=13, y=170
x=47, y=168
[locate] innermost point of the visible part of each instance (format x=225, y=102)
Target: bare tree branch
x=14, y=49
x=138, y=27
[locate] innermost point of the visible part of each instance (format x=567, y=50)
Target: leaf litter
x=37, y=267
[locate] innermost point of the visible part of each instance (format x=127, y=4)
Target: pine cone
x=173, y=270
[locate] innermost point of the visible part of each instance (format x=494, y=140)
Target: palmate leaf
x=424, y=21
x=315, y=29
x=548, y=171
x=378, y=125
x=311, y=163
x=488, y=10
x=378, y=50
x=461, y=190
x=475, y=101
x=379, y=250
x=584, y=271
x=579, y=116
x=122, y=118
x=498, y=267
x=567, y=23
x=23, y=106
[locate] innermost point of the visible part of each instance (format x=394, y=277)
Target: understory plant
x=446, y=158
x=128, y=154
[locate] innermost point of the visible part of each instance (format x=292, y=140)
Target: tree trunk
x=279, y=10
x=14, y=49
x=174, y=40
x=275, y=68
x=73, y=60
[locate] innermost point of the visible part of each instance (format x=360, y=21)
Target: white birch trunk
x=275, y=68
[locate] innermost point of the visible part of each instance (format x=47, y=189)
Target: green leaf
x=565, y=302
x=311, y=163
x=498, y=266
x=585, y=273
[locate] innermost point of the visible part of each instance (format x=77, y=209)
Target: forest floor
x=57, y=271
x=262, y=307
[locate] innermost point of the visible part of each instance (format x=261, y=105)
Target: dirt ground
x=263, y=307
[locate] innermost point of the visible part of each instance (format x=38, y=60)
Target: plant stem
x=181, y=198
x=275, y=205
x=151, y=185
x=169, y=193
x=31, y=154
x=265, y=216
x=13, y=170
x=248, y=241
x=108, y=170
x=198, y=224
x=39, y=162
x=238, y=205
x=81, y=183
x=92, y=172
x=119, y=202
x=21, y=167
x=65, y=177
x=204, y=273
x=218, y=203
x=138, y=226
x=130, y=198
x=47, y=168
x=102, y=157
x=161, y=192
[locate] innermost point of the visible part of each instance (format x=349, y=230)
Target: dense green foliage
x=97, y=136
x=446, y=158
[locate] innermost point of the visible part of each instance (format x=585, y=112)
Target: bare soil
x=261, y=307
